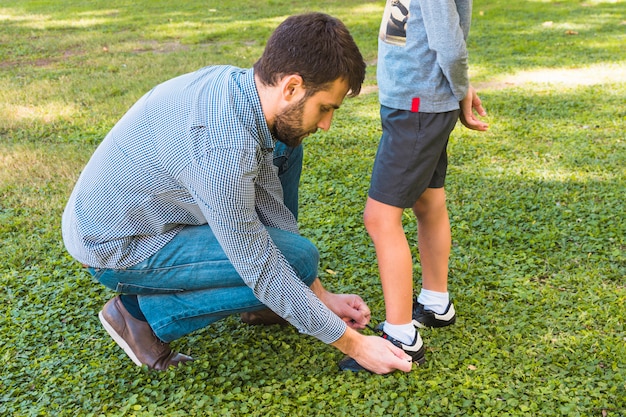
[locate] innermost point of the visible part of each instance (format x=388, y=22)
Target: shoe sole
x=437, y=325
x=119, y=340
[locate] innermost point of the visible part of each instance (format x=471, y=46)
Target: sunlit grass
x=36, y=179
x=12, y=16
x=49, y=112
x=28, y=163
x=567, y=77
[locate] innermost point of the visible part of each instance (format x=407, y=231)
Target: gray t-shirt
x=422, y=54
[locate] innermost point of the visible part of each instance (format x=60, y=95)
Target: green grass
x=537, y=207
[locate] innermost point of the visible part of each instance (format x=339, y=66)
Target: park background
x=537, y=209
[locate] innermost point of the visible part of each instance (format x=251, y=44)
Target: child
x=424, y=89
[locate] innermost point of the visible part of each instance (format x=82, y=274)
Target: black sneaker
x=415, y=351
x=423, y=318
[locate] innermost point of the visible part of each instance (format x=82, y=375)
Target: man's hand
x=373, y=352
x=470, y=103
x=349, y=307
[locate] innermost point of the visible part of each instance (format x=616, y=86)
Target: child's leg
x=434, y=239
x=384, y=225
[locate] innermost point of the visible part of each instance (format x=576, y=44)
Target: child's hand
x=470, y=103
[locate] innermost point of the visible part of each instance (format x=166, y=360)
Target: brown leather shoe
x=263, y=317
x=137, y=338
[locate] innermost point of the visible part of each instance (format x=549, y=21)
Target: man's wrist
x=319, y=290
x=349, y=342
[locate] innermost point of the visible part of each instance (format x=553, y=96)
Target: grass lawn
x=537, y=205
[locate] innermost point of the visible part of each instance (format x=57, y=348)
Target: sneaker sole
x=420, y=325
x=119, y=340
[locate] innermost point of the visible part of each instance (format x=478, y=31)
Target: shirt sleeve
x=447, y=32
x=223, y=181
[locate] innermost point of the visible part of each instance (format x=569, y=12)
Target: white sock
x=434, y=300
x=405, y=333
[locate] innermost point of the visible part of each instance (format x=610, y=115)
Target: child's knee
x=433, y=200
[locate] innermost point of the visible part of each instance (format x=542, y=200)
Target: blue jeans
x=190, y=283
x=289, y=163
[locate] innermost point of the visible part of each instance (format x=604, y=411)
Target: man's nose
x=324, y=124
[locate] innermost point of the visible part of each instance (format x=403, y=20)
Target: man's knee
x=299, y=251
x=304, y=258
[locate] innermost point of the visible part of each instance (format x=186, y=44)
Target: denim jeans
x=190, y=283
x=289, y=163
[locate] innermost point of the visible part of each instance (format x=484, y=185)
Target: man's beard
x=288, y=125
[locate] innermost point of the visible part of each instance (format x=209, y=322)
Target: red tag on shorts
x=415, y=105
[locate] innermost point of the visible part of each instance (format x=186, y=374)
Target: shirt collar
x=248, y=86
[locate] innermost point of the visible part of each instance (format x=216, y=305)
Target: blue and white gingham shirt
x=194, y=150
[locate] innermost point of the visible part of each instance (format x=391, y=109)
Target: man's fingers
x=354, y=324
x=361, y=313
x=400, y=353
x=403, y=361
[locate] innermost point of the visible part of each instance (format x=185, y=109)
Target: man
x=181, y=208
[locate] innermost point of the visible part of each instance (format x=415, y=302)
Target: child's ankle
x=404, y=333
x=434, y=300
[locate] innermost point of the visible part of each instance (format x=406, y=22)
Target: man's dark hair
x=315, y=46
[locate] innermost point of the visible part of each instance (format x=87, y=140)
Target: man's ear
x=292, y=87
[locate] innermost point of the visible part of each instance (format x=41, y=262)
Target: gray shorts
x=411, y=155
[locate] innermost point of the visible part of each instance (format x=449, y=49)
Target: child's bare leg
x=384, y=225
x=434, y=239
